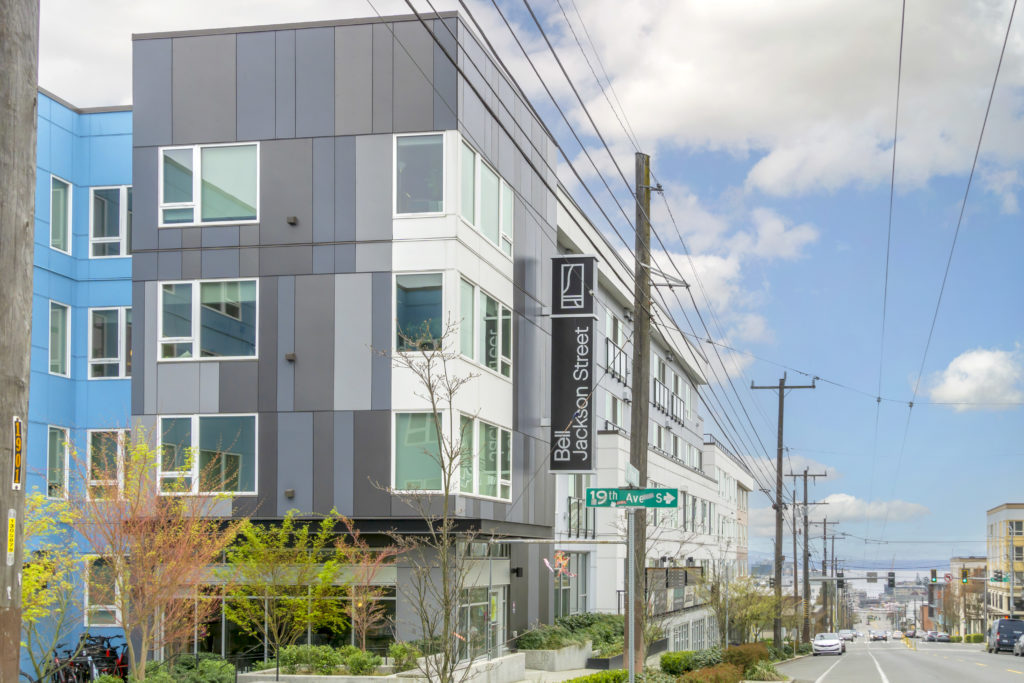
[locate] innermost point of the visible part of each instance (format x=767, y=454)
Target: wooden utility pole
x=805, y=636
x=641, y=391
x=824, y=563
x=19, y=59
x=779, y=504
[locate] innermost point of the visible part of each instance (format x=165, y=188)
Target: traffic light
x=840, y=583
x=998, y=575
x=963, y=575
x=935, y=578
x=892, y=580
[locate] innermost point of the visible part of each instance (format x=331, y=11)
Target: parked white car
x=827, y=644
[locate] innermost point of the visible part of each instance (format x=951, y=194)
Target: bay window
x=491, y=345
x=486, y=459
x=207, y=454
x=419, y=174
x=209, y=184
x=417, y=458
x=218, y=316
x=419, y=311
x=110, y=343
x=487, y=201
x=110, y=222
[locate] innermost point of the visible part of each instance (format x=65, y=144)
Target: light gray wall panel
x=209, y=387
x=248, y=262
x=342, y=478
x=169, y=238
x=323, y=461
x=380, y=392
x=220, y=263
x=267, y=474
x=414, y=70
x=445, y=89
x=285, y=343
x=372, y=462
x=314, y=82
x=345, y=189
x=144, y=198
x=177, y=388
x=191, y=265
x=353, y=356
x=314, y=342
x=239, y=385
x=204, y=89
x=373, y=256
x=286, y=177
x=255, y=96
x=286, y=260
x=374, y=198
x=323, y=190
x=220, y=236
x=345, y=258
x=138, y=349
x=295, y=461
x=268, y=344
x=284, y=94
x=323, y=260
x=151, y=92
x=383, y=62
x=149, y=327
x=353, y=80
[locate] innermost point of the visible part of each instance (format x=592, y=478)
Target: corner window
x=209, y=184
x=57, y=462
x=487, y=202
x=106, y=462
x=491, y=345
x=418, y=311
x=214, y=319
x=110, y=222
x=60, y=214
x=486, y=459
x=101, y=594
x=110, y=343
x=417, y=458
x=60, y=330
x=208, y=454
x=419, y=173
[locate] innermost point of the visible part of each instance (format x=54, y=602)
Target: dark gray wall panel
x=144, y=266
x=144, y=198
x=169, y=238
x=353, y=80
x=345, y=189
x=323, y=190
x=314, y=342
x=151, y=93
x=374, y=193
x=239, y=385
x=268, y=343
x=345, y=258
x=285, y=343
x=295, y=461
x=220, y=263
x=286, y=177
x=220, y=236
x=323, y=260
x=255, y=96
x=248, y=262
x=383, y=60
x=248, y=235
x=284, y=94
x=323, y=462
x=372, y=463
x=314, y=82
x=380, y=392
x=245, y=506
x=267, y=491
x=286, y=261
x=139, y=342
x=414, y=71
x=191, y=238
x=191, y=265
x=445, y=89
x=204, y=89
x=342, y=479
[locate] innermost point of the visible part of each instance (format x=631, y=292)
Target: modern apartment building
x=1005, y=551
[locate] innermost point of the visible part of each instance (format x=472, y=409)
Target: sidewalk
x=537, y=676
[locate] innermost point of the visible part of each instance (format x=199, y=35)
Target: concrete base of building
x=507, y=669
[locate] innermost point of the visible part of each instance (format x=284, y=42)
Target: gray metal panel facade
x=255, y=85
x=353, y=97
x=314, y=82
x=203, y=93
x=151, y=92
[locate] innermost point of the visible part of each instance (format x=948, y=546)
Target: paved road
x=893, y=662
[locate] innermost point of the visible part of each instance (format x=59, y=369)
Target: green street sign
x=632, y=498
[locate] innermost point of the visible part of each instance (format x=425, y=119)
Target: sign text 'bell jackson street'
x=574, y=279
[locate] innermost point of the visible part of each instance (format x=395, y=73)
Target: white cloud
x=980, y=379
x=842, y=507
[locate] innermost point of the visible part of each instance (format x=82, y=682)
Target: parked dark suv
x=1003, y=633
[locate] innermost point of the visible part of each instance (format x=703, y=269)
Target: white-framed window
x=208, y=319
x=417, y=459
x=486, y=329
x=615, y=415
x=101, y=594
x=60, y=214
x=486, y=200
x=419, y=174
x=209, y=184
x=207, y=454
x=107, y=449
x=60, y=339
x=617, y=362
x=485, y=467
x=58, y=462
x=419, y=311
x=110, y=342
x=110, y=221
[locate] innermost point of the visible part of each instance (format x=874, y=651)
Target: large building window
x=419, y=174
x=60, y=338
x=219, y=317
x=487, y=202
x=107, y=450
x=417, y=458
x=571, y=584
x=57, y=462
x=419, y=313
x=491, y=345
x=110, y=343
x=209, y=184
x=486, y=459
x=208, y=454
x=110, y=222
x=60, y=214
x=101, y=594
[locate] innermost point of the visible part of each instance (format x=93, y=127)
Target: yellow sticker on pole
x=12, y=528
x=18, y=474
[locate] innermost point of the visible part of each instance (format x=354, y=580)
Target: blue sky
x=771, y=128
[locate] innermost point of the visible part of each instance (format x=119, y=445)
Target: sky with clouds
x=770, y=127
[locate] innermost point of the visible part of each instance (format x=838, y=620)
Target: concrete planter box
x=619, y=661
x=507, y=669
x=565, y=659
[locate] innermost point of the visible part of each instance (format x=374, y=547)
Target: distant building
x=1005, y=536
x=971, y=594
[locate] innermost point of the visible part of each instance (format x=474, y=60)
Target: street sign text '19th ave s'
x=632, y=498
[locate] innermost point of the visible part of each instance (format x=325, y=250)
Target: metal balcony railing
x=678, y=408
x=582, y=519
x=616, y=361
x=660, y=395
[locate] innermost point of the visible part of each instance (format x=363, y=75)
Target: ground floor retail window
x=571, y=584
x=482, y=621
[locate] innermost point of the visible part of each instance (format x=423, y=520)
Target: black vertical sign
x=574, y=279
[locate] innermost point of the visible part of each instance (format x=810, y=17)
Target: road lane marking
x=820, y=678
x=980, y=664
x=1014, y=671
x=877, y=666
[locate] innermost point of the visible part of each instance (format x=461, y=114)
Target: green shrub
x=548, y=637
x=805, y=649
x=651, y=676
x=616, y=676
x=610, y=649
x=427, y=646
x=956, y=639
x=361, y=663
x=157, y=675
x=598, y=628
x=318, y=659
x=206, y=668
x=107, y=678
x=677, y=663
x=403, y=656
x=763, y=671
x=978, y=638
x=745, y=656
x=705, y=658
x=263, y=666
x=720, y=673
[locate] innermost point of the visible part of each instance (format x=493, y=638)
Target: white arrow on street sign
x=668, y=497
